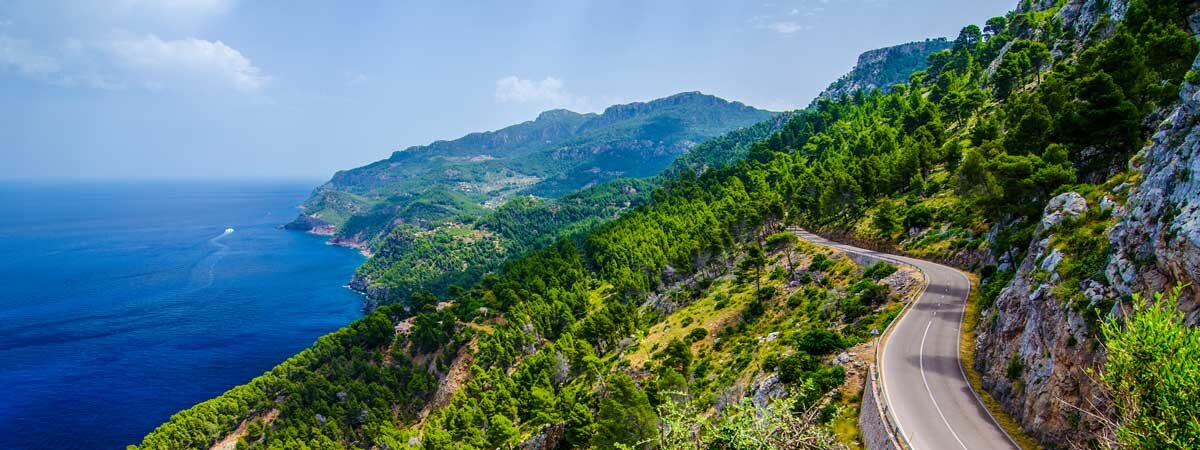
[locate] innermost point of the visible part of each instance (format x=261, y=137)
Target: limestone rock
x=765, y=388
x=1063, y=206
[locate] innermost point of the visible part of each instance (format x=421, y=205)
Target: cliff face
x=1039, y=341
x=885, y=67
x=1156, y=242
x=1033, y=349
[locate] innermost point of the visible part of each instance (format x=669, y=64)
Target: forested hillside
x=675, y=324
x=455, y=243
x=445, y=214
x=556, y=154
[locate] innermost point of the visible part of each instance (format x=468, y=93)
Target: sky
x=166, y=89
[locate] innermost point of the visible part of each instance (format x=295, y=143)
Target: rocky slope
x=1037, y=346
x=885, y=67
x=1156, y=242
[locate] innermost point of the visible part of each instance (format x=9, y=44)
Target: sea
x=123, y=302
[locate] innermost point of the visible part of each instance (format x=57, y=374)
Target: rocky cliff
x=1156, y=242
x=885, y=67
x=1038, y=347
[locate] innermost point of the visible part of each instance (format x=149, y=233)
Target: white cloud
x=147, y=61
x=788, y=27
x=513, y=89
x=356, y=78
x=549, y=91
x=22, y=57
x=196, y=59
x=19, y=55
x=790, y=18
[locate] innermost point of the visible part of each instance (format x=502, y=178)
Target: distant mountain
x=558, y=153
x=885, y=67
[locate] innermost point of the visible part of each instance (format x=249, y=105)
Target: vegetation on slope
x=1152, y=375
x=559, y=153
x=562, y=341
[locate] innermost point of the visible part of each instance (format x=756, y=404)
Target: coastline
x=316, y=227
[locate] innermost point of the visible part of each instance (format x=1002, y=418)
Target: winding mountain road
x=924, y=386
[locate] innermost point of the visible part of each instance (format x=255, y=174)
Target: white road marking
x=930, y=391
x=932, y=295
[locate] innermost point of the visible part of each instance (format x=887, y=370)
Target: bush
x=697, y=334
x=796, y=367
x=852, y=308
x=805, y=278
x=753, y=311
x=820, y=263
x=1152, y=375
x=918, y=216
x=820, y=342
x=1192, y=77
x=879, y=270
x=1015, y=367
x=766, y=292
x=991, y=289
x=870, y=292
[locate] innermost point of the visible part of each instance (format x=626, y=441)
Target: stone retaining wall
x=875, y=432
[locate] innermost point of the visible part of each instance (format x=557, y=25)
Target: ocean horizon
x=124, y=302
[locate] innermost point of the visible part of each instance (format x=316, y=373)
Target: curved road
x=924, y=386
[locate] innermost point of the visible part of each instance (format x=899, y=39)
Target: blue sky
x=296, y=89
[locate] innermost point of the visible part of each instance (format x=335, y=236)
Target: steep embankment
x=1137, y=232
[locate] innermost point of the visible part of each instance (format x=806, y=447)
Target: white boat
x=228, y=230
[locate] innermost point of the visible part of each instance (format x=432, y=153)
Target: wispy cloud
x=356, y=78
x=788, y=27
x=789, y=17
x=162, y=61
x=19, y=55
x=550, y=91
x=148, y=61
x=102, y=50
x=54, y=68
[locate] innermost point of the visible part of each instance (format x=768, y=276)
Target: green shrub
x=820, y=263
x=879, y=270
x=1015, y=367
x=1152, y=375
x=820, y=342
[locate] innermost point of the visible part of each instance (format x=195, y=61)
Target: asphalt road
x=923, y=382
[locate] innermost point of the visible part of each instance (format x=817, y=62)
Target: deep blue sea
x=124, y=302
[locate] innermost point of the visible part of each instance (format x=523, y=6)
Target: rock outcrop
x=1033, y=349
x=1156, y=242
x=885, y=67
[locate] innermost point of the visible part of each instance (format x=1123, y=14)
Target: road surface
x=924, y=386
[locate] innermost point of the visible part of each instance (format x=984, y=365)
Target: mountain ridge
x=554, y=154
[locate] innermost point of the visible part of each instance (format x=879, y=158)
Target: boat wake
x=208, y=275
